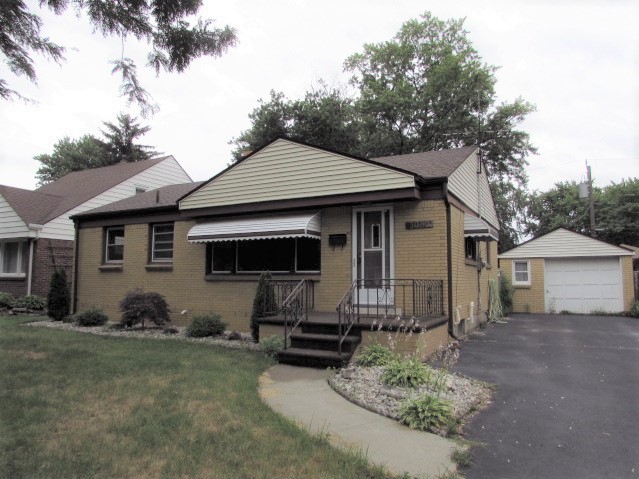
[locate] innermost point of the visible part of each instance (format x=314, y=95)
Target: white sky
x=578, y=61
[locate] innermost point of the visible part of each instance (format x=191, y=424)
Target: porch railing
x=279, y=290
x=292, y=299
x=389, y=298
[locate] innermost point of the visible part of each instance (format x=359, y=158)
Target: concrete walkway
x=303, y=395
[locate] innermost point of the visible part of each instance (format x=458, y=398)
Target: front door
x=373, y=262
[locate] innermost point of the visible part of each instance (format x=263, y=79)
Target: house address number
x=419, y=225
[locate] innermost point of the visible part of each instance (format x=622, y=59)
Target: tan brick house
x=407, y=236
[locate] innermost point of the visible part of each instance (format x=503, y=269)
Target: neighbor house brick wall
x=49, y=255
x=527, y=299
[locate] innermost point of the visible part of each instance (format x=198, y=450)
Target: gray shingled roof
x=429, y=164
x=159, y=198
x=31, y=206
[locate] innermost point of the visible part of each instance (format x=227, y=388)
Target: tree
x=138, y=306
x=90, y=152
x=617, y=214
x=174, y=42
x=59, y=297
x=425, y=89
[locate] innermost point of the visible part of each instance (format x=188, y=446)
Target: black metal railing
x=279, y=290
x=291, y=299
x=389, y=299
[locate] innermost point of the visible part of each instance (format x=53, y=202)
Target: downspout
x=37, y=229
x=449, y=258
x=74, y=299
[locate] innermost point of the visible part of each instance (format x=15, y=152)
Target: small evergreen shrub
x=263, y=302
x=234, y=336
x=426, y=412
x=169, y=331
x=91, y=317
x=271, y=345
x=31, y=302
x=59, y=296
x=506, y=295
x=6, y=300
x=206, y=325
x=406, y=373
x=634, y=309
x=375, y=355
x=138, y=306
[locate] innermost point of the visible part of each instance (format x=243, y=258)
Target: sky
x=577, y=61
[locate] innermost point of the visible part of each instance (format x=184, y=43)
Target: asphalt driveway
x=567, y=402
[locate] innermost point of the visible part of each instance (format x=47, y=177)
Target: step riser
x=312, y=362
x=315, y=328
x=347, y=346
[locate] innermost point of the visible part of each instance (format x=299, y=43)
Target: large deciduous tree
x=162, y=24
x=425, y=89
x=90, y=152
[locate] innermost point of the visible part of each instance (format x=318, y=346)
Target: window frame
x=20, y=266
x=515, y=282
x=107, y=260
x=474, y=249
x=153, y=233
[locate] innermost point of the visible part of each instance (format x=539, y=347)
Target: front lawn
x=76, y=405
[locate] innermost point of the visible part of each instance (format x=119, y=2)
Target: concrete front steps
x=316, y=344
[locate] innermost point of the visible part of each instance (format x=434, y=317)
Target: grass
x=76, y=405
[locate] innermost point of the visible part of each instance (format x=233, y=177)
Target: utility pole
x=591, y=201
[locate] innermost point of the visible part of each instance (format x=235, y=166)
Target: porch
x=329, y=338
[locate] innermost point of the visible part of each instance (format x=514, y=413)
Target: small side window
x=521, y=273
x=114, y=241
x=162, y=243
x=470, y=247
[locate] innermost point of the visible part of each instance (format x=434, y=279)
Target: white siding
x=12, y=224
x=562, y=243
x=166, y=172
x=463, y=184
x=287, y=170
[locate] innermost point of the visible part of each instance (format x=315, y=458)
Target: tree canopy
x=174, y=41
x=90, y=152
x=425, y=89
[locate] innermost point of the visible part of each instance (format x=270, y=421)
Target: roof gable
x=33, y=207
x=285, y=170
x=562, y=243
x=429, y=164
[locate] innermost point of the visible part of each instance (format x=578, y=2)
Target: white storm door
x=373, y=261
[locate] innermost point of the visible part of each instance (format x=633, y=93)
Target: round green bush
x=31, y=302
x=406, y=373
x=206, y=325
x=6, y=300
x=91, y=317
x=426, y=412
x=375, y=355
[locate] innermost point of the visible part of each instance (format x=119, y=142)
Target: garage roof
x=563, y=243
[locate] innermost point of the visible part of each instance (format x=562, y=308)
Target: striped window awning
x=292, y=225
x=478, y=229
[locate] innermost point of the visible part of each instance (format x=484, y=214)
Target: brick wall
x=628, y=282
x=527, y=299
x=49, y=254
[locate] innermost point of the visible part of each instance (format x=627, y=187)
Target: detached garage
x=567, y=271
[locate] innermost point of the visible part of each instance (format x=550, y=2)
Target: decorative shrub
x=138, y=306
x=426, y=412
x=506, y=295
x=634, y=309
x=407, y=373
x=206, y=325
x=30, y=302
x=6, y=300
x=59, y=297
x=170, y=331
x=264, y=301
x=271, y=345
x=91, y=317
x=234, y=336
x=375, y=355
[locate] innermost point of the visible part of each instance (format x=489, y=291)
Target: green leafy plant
x=634, y=310
x=206, y=325
x=271, y=345
x=263, y=302
x=59, y=296
x=375, y=355
x=425, y=412
x=506, y=291
x=138, y=306
x=461, y=457
x=91, y=317
x=407, y=373
x=31, y=302
x=6, y=300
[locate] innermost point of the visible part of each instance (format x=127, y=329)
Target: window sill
x=471, y=262
x=110, y=267
x=522, y=286
x=12, y=277
x=159, y=267
x=252, y=277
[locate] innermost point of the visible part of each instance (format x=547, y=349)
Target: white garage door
x=583, y=285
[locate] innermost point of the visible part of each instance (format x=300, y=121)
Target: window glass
x=115, y=244
x=521, y=272
x=471, y=248
x=163, y=242
x=266, y=254
x=223, y=257
x=10, y=256
x=308, y=254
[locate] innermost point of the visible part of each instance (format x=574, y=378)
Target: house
x=567, y=271
x=36, y=234
x=348, y=240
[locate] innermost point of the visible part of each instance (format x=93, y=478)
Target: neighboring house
x=401, y=236
x=36, y=234
x=567, y=271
